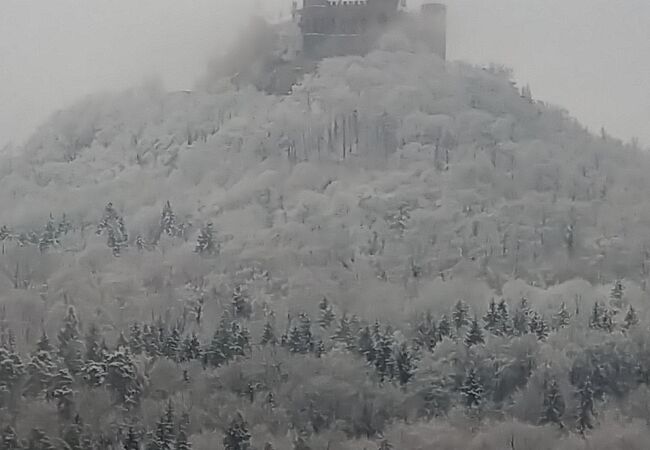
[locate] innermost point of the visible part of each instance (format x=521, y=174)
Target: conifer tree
x=616, y=295
x=585, y=411
x=554, y=406
x=75, y=438
x=237, y=435
x=171, y=347
x=538, y=326
x=562, y=318
x=472, y=391
x=132, y=442
x=268, y=335
x=385, y=445
x=43, y=344
x=60, y=389
x=70, y=346
x=12, y=370
x=596, y=318
x=365, y=344
x=426, y=333
x=241, y=305
x=38, y=440
x=205, y=244
x=343, y=332
x=460, y=315
x=405, y=364
x=491, y=318
x=631, y=318
x=136, y=339
x=122, y=378
x=9, y=440
x=384, y=361
x=93, y=344
x=49, y=237
x=444, y=327
x=521, y=318
x=191, y=348
x=239, y=340
x=474, y=335
x=504, y=324
x=168, y=220
x=40, y=370
x=151, y=341
x=325, y=314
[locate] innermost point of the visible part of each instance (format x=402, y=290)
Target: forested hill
x=372, y=213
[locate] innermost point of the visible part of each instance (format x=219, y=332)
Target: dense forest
x=402, y=253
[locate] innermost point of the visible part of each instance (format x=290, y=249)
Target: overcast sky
x=590, y=56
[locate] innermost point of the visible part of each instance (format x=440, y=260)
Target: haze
x=589, y=56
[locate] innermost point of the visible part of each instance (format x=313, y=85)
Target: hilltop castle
x=338, y=27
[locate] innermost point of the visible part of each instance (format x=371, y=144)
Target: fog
x=589, y=56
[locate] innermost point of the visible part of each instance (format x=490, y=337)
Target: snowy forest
x=401, y=253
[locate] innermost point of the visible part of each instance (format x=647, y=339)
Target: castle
x=344, y=27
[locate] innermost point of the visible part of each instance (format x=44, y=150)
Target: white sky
x=590, y=56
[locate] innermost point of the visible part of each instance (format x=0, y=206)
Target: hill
x=392, y=185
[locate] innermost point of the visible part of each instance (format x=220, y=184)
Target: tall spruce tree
x=492, y=319
x=405, y=364
x=38, y=440
x=585, y=410
x=237, y=435
x=474, y=335
x=554, y=407
x=205, y=244
x=325, y=314
x=562, y=318
x=9, y=440
x=631, y=318
x=70, y=345
x=460, y=315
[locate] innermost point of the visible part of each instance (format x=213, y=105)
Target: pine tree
x=9, y=440
x=70, y=346
x=49, y=237
x=460, y=315
x=38, y=440
x=504, y=324
x=237, y=436
x=218, y=351
x=326, y=314
x=122, y=378
x=521, y=318
x=43, y=344
x=60, y=389
x=596, y=319
x=538, y=326
x=562, y=318
x=616, y=295
x=343, y=332
x=151, y=341
x=171, y=348
x=136, y=339
x=474, y=335
x=241, y=305
x=472, y=390
x=239, y=340
x=268, y=336
x=40, y=370
x=585, y=413
x=64, y=226
x=384, y=361
x=93, y=344
x=405, y=364
x=182, y=442
x=385, y=445
x=492, y=319
x=205, y=244
x=631, y=318
x=365, y=344
x=191, y=348
x=75, y=438
x=300, y=444
x=444, y=327
x=554, y=405
x=301, y=339
x=168, y=220
x=132, y=442
x=12, y=369
x=426, y=333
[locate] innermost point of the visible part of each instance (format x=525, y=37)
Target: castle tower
x=434, y=16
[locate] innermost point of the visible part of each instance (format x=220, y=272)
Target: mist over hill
x=403, y=190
